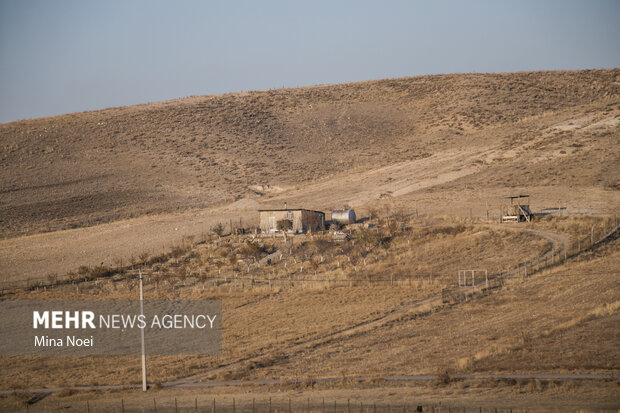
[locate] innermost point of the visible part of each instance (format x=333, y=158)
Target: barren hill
x=444, y=145
x=81, y=169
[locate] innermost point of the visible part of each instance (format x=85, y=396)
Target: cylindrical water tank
x=344, y=216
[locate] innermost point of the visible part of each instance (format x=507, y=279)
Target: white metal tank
x=344, y=216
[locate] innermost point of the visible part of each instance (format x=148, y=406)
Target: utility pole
x=142, y=335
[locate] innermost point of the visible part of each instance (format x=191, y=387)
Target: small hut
x=295, y=220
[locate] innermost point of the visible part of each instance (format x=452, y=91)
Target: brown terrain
x=88, y=187
x=89, y=198
x=545, y=341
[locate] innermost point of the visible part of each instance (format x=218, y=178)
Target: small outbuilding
x=299, y=220
x=518, y=210
x=344, y=216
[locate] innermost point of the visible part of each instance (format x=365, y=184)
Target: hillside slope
x=561, y=320
x=514, y=130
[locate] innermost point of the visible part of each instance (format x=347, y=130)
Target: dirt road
x=266, y=382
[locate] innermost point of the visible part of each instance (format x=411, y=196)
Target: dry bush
x=66, y=392
x=179, y=251
x=443, y=378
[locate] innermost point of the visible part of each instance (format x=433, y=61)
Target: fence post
x=233, y=405
x=213, y=410
x=196, y=404
x=154, y=404
x=122, y=405
x=176, y=407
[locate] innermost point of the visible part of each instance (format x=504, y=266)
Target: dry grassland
x=88, y=198
x=351, y=328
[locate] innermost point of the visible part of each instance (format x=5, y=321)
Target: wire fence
x=336, y=277
x=253, y=405
x=526, y=269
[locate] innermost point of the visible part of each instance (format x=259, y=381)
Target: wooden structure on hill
x=518, y=210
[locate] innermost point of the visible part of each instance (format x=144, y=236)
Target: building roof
x=291, y=209
x=516, y=196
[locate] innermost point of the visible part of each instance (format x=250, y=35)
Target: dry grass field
x=88, y=198
x=561, y=320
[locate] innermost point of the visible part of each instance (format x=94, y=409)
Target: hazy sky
x=74, y=55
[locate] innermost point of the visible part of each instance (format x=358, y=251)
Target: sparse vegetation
x=218, y=229
x=368, y=304
x=284, y=225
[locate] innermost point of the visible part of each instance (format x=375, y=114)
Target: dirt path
x=559, y=242
x=265, y=382
x=301, y=347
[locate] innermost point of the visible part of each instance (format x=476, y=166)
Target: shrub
x=337, y=226
x=367, y=238
x=52, y=278
x=177, y=252
x=284, y=225
x=66, y=392
x=218, y=229
x=100, y=271
x=158, y=259
x=252, y=249
x=443, y=378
